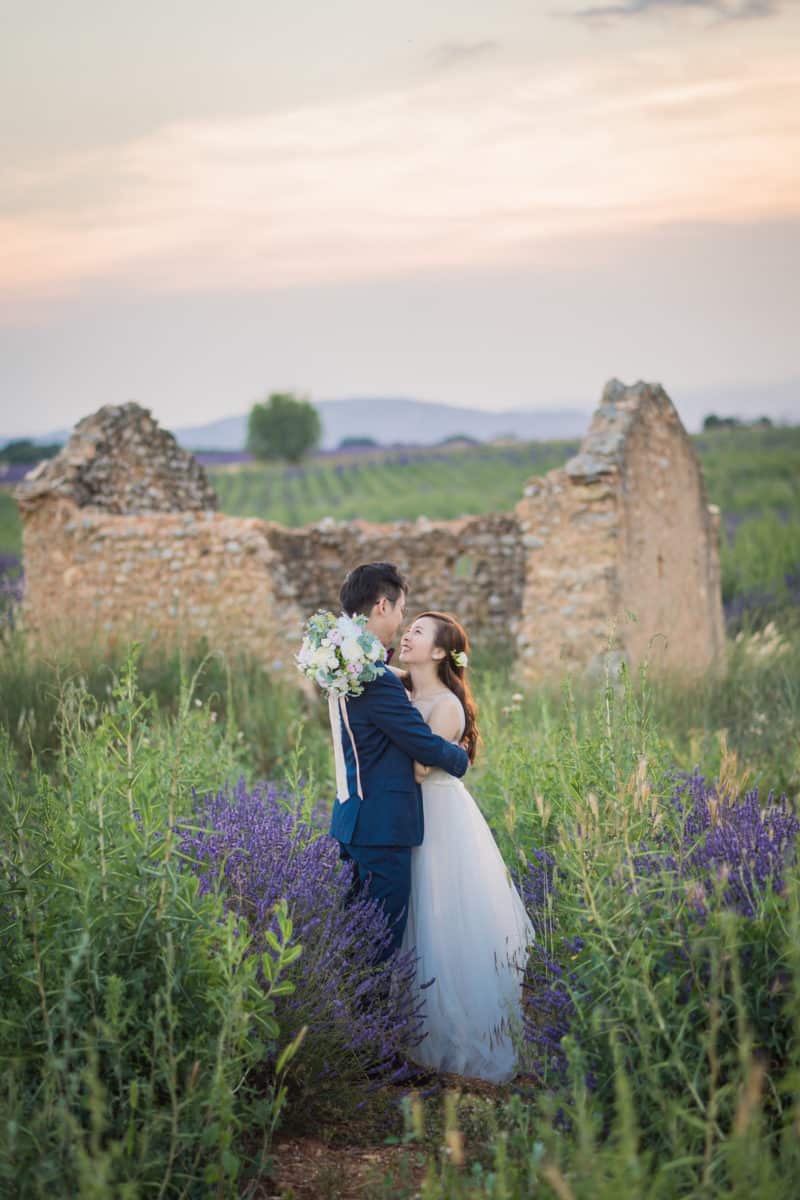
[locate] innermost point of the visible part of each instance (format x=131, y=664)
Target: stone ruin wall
x=472, y=567
x=121, y=539
x=622, y=541
x=97, y=579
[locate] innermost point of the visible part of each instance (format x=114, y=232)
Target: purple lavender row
x=11, y=473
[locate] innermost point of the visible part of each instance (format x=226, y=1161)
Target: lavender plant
x=254, y=846
x=548, y=1006
x=732, y=850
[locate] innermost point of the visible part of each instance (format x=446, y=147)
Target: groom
x=380, y=818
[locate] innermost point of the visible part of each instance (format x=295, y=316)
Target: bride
x=465, y=917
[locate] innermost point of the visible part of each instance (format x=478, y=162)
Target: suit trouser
x=386, y=872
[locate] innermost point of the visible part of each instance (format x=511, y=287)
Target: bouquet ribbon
x=337, y=711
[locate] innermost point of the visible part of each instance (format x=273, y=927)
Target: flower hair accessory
x=460, y=658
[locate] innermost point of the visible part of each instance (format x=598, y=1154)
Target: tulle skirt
x=471, y=933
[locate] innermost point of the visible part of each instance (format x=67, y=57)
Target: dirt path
x=352, y=1162
x=309, y=1169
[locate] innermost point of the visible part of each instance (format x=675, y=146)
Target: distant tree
x=23, y=451
x=712, y=421
x=463, y=438
x=356, y=442
x=285, y=426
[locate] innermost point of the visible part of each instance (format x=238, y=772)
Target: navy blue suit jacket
x=389, y=734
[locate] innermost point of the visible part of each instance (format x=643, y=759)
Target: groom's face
x=387, y=617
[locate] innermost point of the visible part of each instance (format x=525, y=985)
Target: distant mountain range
x=388, y=420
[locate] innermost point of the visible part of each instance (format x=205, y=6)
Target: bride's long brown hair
x=451, y=636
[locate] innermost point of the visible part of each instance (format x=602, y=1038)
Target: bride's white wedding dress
x=471, y=934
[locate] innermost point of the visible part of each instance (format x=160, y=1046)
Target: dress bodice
x=425, y=708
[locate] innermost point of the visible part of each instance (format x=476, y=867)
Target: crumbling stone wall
x=622, y=539
x=472, y=567
x=96, y=578
x=120, y=460
x=121, y=538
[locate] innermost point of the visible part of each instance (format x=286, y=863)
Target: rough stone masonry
x=122, y=539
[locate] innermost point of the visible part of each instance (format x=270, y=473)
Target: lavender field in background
x=13, y=473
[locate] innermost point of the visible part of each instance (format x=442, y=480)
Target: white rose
x=352, y=651
x=321, y=656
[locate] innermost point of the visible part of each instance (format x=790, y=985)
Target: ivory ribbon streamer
x=345, y=718
x=338, y=749
x=337, y=711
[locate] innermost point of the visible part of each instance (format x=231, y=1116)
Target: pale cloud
x=461, y=53
x=471, y=170
x=720, y=10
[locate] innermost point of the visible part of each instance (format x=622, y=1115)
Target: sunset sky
x=492, y=205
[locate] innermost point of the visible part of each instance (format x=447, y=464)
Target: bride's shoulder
x=450, y=700
x=448, y=704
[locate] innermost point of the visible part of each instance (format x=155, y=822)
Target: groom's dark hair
x=365, y=585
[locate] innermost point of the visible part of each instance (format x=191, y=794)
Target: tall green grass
x=684, y=1046
x=118, y=978
x=263, y=718
x=134, y=1030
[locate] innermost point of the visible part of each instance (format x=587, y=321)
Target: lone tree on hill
x=283, y=427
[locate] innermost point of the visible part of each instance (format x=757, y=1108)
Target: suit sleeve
x=391, y=711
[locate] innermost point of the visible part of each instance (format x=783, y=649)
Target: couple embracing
x=417, y=840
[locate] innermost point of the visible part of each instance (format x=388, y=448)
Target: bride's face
x=417, y=644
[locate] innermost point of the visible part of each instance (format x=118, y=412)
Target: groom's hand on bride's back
x=392, y=712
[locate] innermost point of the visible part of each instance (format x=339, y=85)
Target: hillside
x=391, y=421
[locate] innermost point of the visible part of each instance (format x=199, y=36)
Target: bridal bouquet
x=340, y=654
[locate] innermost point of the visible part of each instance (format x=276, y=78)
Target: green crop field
x=747, y=472
x=389, y=485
